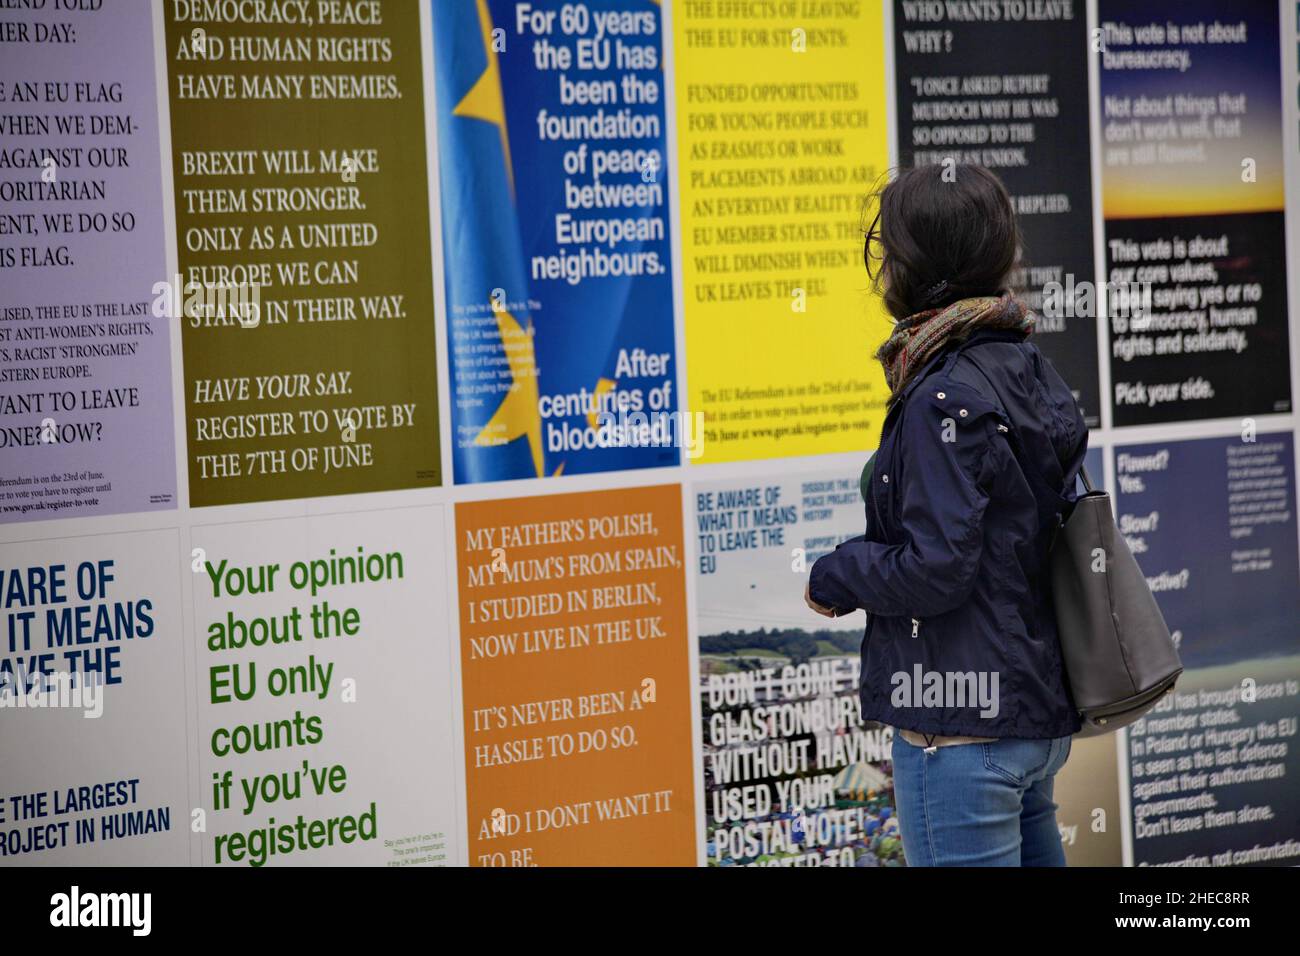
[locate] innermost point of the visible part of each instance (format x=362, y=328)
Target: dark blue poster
x=1193, y=193
x=551, y=142
x=1213, y=767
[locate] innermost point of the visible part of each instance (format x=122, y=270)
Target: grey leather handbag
x=1119, y=658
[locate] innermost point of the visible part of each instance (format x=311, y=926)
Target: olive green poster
x=305, y=293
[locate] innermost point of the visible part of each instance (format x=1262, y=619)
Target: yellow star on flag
x=517, y=415
x=484, y=101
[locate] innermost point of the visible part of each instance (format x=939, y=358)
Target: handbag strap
x=1083, y=476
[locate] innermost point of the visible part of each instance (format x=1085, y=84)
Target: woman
x=960, y=654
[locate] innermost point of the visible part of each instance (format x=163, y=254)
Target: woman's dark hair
x=939, y=234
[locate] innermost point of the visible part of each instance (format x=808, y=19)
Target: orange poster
x=574, y=660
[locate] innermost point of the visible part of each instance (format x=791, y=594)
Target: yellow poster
x=781, y=137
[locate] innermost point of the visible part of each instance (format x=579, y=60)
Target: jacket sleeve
x=932, y=570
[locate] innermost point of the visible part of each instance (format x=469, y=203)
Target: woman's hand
x=807, y=597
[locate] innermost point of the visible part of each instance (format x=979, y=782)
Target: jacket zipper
x=916, y=626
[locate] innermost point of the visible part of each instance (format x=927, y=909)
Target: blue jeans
x=979, y=804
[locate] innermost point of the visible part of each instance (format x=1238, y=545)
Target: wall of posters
x=304, y=293
x=85, y=382
x=780, y=136
x=418, y=419
x=1029, y=124
x=558, y=260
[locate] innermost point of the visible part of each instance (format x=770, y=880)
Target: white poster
x=92, y=702
x=325, y=691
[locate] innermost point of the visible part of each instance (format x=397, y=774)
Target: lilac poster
x=85, y=377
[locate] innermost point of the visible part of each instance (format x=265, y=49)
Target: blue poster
x=551, y=141
x=1213, y=766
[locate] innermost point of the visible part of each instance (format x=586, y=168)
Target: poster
x=575, y=680
x=85, y=363
x=1212, y=767
x=1028, y=123
x=551, y=136
x=92, y=703
x=792, y=776
x=781, y=135
x=1192, y=188
x=305, y=292
x=324, y=688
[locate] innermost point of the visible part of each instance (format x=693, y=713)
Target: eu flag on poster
x=551, y=142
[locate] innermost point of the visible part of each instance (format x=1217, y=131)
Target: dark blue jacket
x=952, y=568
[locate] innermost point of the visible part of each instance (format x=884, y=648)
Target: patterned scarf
x=918, y=338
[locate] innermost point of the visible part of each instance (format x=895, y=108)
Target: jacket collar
x=950, y=352
x=946, y=357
